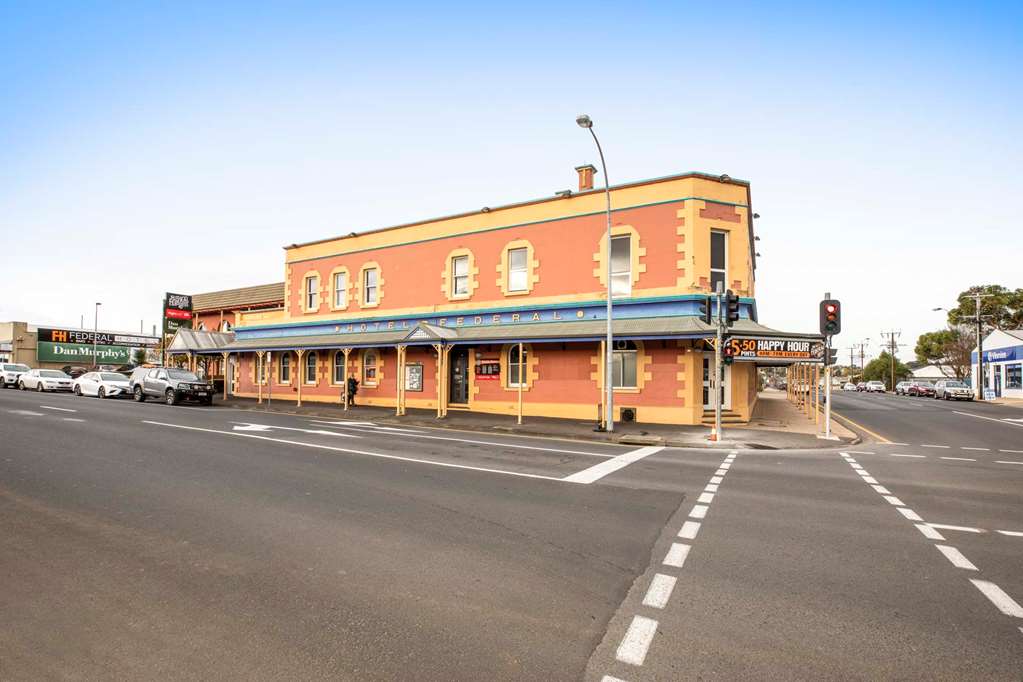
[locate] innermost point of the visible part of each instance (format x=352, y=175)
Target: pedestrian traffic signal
x=832, y=356
x=705, y=310
x=732, y=305
x=728, y=353
x=831, y=317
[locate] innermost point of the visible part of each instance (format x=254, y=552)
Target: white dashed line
x=959, y=459
x=73, y=419
x=870, y=479
x=608, y=678
x=881, y=489
x=860, y=452
x=929, y=532
x=716, y=479
x=895, y=454
x=1013, y=533
x=946, y=447
x=999, y=598
x=910, y=514
x=659, y=592
x=711, y=488
x=894, y=443
x=726, y=466
x=998, y=461
x=676, y=556
x=699, y=511
x=705, y=498
x=992, y=419
x=637, y=641
x=892, y=500
x=689, y=530
x=964, y=529
x=1015, y=452
x=858, y=467
x=956, y=557
x=978, y=449
x=58, y=409
x=720, y=472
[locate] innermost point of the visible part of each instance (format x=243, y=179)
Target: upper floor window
x=518, y=269
x=340, y=289
x=718, y=260
x=370, y=277
x=310, y=367
x=623, y=364
x=312, y=293
x=621, y=265
x=460, y=276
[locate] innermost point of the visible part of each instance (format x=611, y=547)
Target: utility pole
x=893, y=347
x=978, y=389
x=719, y=369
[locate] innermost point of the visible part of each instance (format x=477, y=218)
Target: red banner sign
x=173, y=314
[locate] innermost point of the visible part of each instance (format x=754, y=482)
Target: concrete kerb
x=758, y=441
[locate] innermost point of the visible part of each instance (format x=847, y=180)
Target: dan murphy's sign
x=79, y=353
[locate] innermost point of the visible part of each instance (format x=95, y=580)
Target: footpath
x=776, y=425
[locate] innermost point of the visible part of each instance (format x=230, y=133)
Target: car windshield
x=925, y=384
x=181, y=375
x=954, y=384
x=16, y=368
x=53, y=374
x=111, y=376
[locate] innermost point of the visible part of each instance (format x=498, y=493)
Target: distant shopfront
x=1003, y=363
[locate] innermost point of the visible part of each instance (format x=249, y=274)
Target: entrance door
x=726, y=385
x=459, y=377
x=998, y=380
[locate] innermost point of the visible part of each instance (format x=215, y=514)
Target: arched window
x=284, y=369
x=513, y=366
x=310, y=367
x=339, y=367
x=369, y=368
x=225, y=326
x=623, y=364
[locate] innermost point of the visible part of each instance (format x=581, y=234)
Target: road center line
x=381, y=455
x=1013, y=533
x=1002, y=461
x=959, y=459
x=1015, y=452
x=599, y=471
x=978, y=449
x=946, y=447
x=59, y=409
x=896, y=454
x=637, y=641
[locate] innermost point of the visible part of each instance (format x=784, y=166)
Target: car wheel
x=21, y=385
x=208, y=401
x=139, y=396
x=39, y=387
x=78, y=391
x=170, y=398
x=102, y=393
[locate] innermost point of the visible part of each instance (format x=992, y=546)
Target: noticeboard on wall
x=414, y=377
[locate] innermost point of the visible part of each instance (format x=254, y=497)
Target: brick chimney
x=586, y=174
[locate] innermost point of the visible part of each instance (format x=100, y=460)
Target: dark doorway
x=459, y=384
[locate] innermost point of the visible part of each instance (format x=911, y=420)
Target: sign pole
x=718, y=369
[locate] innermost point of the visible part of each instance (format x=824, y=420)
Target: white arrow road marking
x=266, y=427
x=59, y=409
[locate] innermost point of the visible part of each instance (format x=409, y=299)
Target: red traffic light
x=831, y=308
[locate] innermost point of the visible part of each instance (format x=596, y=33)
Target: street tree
x=949, y=348
x=880, y=369
x=1001, y=308
x=140, y=356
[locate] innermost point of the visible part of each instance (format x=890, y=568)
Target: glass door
x=459, y=375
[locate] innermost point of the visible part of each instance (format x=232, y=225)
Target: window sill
x=626, y=390
x=369, y=305
x=524, y=292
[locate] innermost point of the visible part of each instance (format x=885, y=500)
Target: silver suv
x=170, y=384
x=949, y=389
x=9, y=373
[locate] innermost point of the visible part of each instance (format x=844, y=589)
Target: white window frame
x=366, y=288
x=524, y=270
x=723, y=271
x=514, y=349
x=341, y=291
x=456, y=278
x=339, y=364
x=312, y=293
x=626, y=290
x=310, y=357
x=366, y=381
x=284, y=364
x=618, y=378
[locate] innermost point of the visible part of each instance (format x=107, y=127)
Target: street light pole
x=95, y=335
x=584, y=121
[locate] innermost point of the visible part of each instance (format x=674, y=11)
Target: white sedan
x=101, y=384
x=849, y=386
x=44, y=380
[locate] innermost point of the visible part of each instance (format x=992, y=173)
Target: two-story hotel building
x=502, y=310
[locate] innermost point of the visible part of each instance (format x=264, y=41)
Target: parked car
x=861, y=387
x=902, y=387
x=44, y=380
x=921, y=389
x=849, y=386
x=101, y=384
x=875, y=387
x=9, y=373
x=950, y=389
x=171, y=384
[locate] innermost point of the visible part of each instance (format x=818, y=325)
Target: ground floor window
x=339, y=367
x=310, y=368
x=369, y=368
x=623, y=364
x=284, y=371
x=1014, y=376
x=514, y=380
x=261, y=364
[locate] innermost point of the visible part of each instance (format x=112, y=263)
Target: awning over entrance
x=194, y=341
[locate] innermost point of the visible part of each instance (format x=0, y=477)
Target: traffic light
x=729, y=353
x=732, y=306
x=832, y=356
x=705, y=310
x=831, y=317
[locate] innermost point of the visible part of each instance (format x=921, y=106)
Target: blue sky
x=146, y=149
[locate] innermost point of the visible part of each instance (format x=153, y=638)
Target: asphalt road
x=147, y=541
